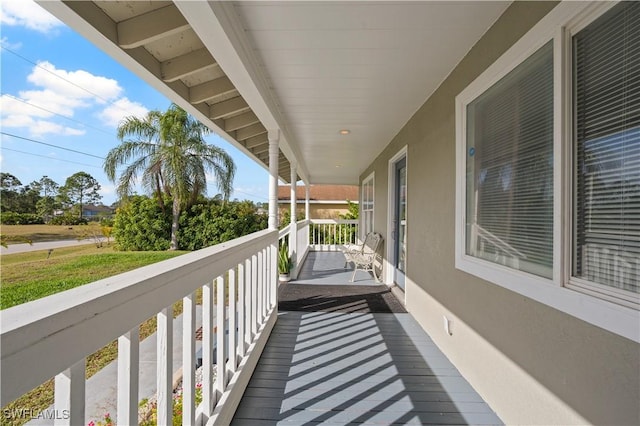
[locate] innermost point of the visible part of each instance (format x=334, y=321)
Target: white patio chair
x=364, y=258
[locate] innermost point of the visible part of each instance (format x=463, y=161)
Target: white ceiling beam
x=240, y=121
x=256, y=141
x=184, y=65
x=95, y=25
x=261, y=149
x=151, y=26
x=218, y=21
x=210, y=89
x=228, y=107
x=253, y=130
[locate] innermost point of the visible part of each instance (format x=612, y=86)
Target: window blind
x=509, y=211
x=607, y=149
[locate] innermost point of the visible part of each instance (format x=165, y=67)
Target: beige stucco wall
x=533, y=364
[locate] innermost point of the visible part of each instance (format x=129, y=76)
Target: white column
x=294, y=176
x=274, y=138
x=293, y=247
x=307, y=208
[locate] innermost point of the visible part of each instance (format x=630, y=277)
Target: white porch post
x=307, y=208
x=274, y=138
x=293, y=234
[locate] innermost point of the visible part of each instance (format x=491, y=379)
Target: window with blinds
x=509, y=169
x=607, y=150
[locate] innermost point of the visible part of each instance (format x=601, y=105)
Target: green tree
x=353, y=211
x=10, y=186
x=79, y=189
x=168, y=151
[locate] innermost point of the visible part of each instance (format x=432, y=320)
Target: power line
x=252, y=195
x=54, y=146
x=49, y=158
x=55, y=113
x=63, y=79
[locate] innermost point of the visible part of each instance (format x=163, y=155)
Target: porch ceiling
x=308, y=69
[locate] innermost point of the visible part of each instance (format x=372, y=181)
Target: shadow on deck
x=348, y=364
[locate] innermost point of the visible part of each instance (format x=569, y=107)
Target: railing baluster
x=248, y=297
x=233, y=329
x=274, y=274
x=260, y=277
x=254, y=296
x=208, y=396
x=221, y=376
x=165, y=366
x=128, y=369
x=267, y=280
x=241, y=309
x=188, y=359
x=69, y=395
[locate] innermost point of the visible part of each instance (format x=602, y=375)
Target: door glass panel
x=400, y=222
x=402, y=217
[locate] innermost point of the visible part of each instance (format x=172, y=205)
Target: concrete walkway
x=101, y=388
x=46, y=245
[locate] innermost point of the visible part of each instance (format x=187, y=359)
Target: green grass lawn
x=28, y=276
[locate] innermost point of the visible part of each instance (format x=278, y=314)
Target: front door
x=400, y=222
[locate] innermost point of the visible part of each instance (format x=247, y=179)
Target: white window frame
x=365, y=181
x=389, y=260
x=562, y=292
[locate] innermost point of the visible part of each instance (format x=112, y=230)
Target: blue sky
x=59, y=89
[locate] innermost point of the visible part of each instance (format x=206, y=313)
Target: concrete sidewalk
x=101, y=388
x=45, y=245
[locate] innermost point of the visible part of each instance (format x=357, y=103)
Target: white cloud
x=113, y=114
x=4, y=41
x=107, y=189
x=13, y=107
x=35, y=109
x=28, y=14
x=41, y=127
x=78, y=84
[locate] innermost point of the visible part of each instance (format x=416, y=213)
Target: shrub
x=211, y=223
x=68, y=219
x=140, y=224
x=11, y=218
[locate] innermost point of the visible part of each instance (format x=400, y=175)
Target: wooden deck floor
x=337, y=369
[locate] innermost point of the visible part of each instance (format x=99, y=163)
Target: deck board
x=340, y=368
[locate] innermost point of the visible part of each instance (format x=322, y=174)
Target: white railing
x=331, y=234
x=54, y=335
x=302, y=243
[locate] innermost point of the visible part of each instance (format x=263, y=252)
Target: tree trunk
x=159, y=195
x=175, y=224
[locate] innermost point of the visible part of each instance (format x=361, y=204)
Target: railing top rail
x=284, y=231
x=103, y=310
x=334, y=221
x=302, y=222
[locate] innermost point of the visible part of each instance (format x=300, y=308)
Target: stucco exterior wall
x=533, y=364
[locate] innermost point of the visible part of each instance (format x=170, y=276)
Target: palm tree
x=168, y=151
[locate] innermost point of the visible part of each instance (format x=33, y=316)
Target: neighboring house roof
x=98, y=209
x=321, y=193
